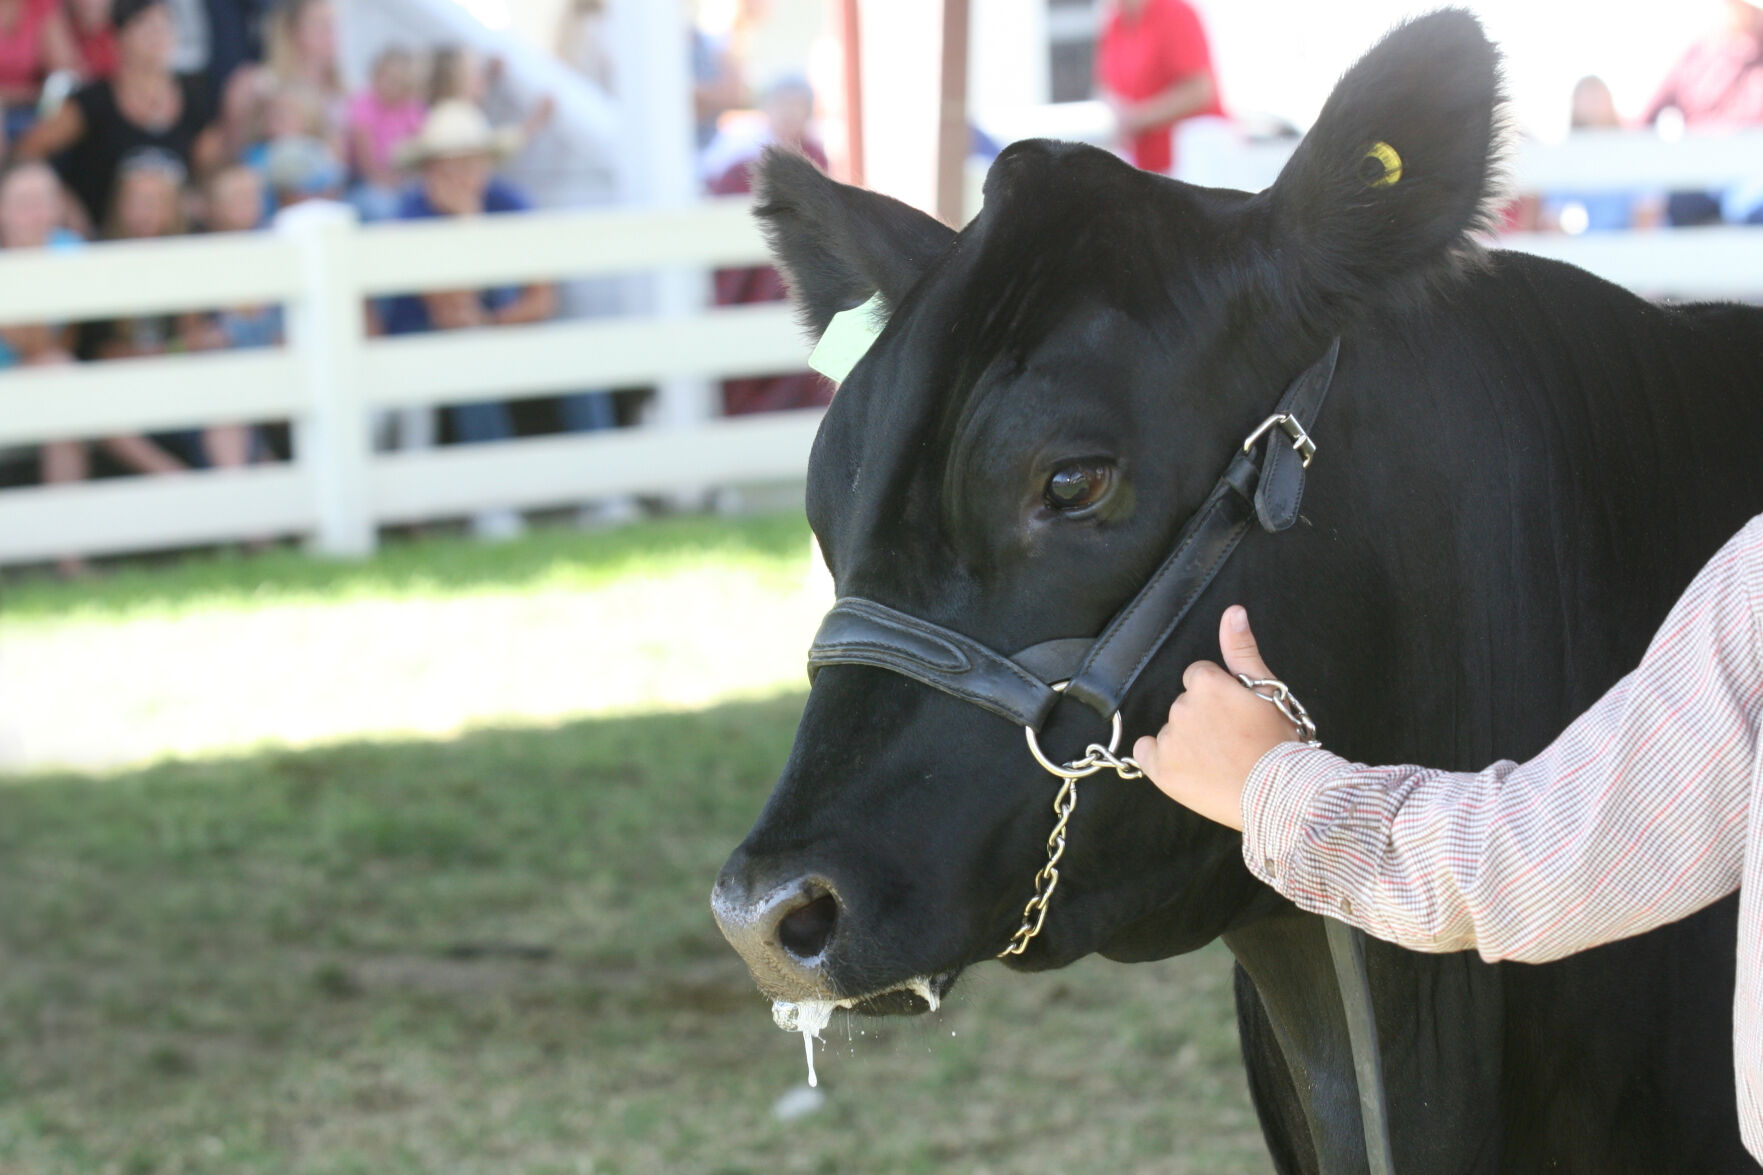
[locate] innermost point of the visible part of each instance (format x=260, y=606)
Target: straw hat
x=453, y=128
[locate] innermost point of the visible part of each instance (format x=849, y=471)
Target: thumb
x=1241, y=654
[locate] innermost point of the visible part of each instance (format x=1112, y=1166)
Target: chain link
x=1282, y=698
x=1102, y=758
x=1096, y=758
x=1047, y=880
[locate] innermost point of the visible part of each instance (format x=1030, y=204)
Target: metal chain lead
x=1096, y=758
x=1047, y=880
x=1102, y=758
x=1280, y=695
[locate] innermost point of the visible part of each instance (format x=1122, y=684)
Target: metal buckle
x=1289, y=425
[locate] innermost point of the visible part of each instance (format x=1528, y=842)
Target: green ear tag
x=848, y=338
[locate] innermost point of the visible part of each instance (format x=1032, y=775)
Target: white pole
x=326, y=333
x=902, y=98
x=653, y=41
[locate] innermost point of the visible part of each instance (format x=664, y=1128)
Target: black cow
x=1520, y=468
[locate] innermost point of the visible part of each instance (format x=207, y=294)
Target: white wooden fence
x=331, y=376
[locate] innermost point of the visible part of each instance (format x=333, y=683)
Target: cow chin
x=1151, y=939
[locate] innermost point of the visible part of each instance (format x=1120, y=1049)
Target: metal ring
x=1072, y=770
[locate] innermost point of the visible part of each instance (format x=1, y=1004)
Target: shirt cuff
x=1277, y=799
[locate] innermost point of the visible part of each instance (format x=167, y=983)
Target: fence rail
x=330, y=376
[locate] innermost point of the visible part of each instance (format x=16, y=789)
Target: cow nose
x=804, y=930
x=784, y=931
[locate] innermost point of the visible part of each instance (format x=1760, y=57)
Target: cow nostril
x=804, y=931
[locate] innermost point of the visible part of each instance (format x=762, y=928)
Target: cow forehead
x=1079, y=272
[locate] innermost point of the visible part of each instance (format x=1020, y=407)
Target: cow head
x=1055, y=391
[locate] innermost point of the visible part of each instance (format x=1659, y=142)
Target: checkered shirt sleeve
x=1635, y=816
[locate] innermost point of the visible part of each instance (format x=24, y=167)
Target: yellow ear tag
x=1386, y=157
x=847, y=339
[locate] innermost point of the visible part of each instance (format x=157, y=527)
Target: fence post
x=326, y=332
x=660, y=170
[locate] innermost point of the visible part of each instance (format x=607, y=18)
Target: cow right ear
x=837, y=245
x=1390, y=188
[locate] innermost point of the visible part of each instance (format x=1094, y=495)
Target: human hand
x=1217, y=730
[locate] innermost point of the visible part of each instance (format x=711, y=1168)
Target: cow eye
x=1079, y=484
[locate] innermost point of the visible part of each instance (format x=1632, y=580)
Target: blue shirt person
x=456, y=153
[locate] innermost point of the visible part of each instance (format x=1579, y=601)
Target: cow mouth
x=917, y=997
x=913, y=997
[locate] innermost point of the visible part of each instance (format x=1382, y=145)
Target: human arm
x=1187, y=96
x=208, y=152
x=61, y=51
x=1666, y=95
x=34, y=342
x=373, y=169
x=454, y=309
x=1176, y=84
x=142, y=455
x=1635, y=816
x=200, y=332
x=538, y=118
x=54, y=134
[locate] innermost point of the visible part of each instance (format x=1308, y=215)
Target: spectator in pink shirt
x=1717, y=84
x=381, y=119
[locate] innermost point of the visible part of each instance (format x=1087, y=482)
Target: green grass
x=431, y=638
x=493, y=952
x=494, y=955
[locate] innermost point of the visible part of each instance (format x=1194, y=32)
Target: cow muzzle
x=784, y=931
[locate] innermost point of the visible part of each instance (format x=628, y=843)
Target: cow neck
x=1255, y=487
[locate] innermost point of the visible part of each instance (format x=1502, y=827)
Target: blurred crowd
x=1716, y=84
x=133, y=120
x=146, y=119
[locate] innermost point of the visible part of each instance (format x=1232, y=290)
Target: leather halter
x=1269, y=489
x=1100, y=670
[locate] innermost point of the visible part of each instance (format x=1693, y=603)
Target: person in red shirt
x=35, y=41
x=94, y=38
x=1154, y=68
x=787, y=112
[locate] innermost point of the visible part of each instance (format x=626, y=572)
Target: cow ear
x=1387, y=191
x=838, y=245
